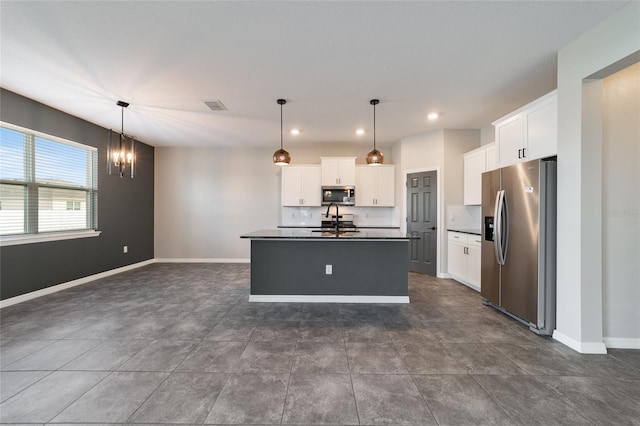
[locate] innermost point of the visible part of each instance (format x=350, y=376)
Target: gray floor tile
x=444, y=332
x=410, y=333
x=266, y=357
x=320, y=399
x=231, y=332
x=40, y=402
x=604, y=401
x=459, y=400
x=276, y=331
x=160, y=355
x=320, y=357
x=11, y=350
x=375, y=358
x=189, y=327
x=529, y=402
x=390, y=399
x=250, y=399
x=320, y=311
x=107, y=356
x=364, y=331
x=114, y=400
x=181, y=398
x=54, y=356
x=537, y=360
x=212, y=356
x=430, y=358
x=628, y=356
x=483, y=358
x=320, y=331
x=12, y=382
x=456, y=332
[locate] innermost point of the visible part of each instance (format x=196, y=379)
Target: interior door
x=422, y=218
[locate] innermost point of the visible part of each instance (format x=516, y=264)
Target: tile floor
x=180, y=344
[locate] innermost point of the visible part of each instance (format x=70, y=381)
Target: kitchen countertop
x=318, y=227
x=466, y=231
x=306, y=234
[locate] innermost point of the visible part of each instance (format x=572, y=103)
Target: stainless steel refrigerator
x=519, y=242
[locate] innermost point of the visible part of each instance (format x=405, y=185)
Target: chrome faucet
x=337, y=216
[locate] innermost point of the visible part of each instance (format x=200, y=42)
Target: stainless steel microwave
x=341, y=195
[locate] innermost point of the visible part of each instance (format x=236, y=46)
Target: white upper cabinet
x=530, y=132
x=477, y=162
x=375, y=186
x=301, y=186
x=338, y=171
x=474, y=165
x=492, y=157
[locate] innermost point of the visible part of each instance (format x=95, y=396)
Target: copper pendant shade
x=374, y=157
x=281, y=157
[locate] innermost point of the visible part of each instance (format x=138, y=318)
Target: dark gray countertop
x=318, y=227
x=466, y=231
x=307, y=234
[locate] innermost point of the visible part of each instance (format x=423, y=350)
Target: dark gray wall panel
x=362, y=268
x=125, y=208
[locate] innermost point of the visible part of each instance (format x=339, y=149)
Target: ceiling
x=470, y=61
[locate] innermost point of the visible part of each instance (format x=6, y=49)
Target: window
x=47, y=184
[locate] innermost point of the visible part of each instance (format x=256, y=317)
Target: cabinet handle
x=524, y=155
x=519, y=153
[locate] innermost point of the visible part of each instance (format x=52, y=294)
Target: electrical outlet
x=328, y=269
x=125, y=249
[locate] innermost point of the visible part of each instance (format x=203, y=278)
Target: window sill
x=13, y=240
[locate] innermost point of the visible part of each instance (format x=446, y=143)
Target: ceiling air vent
x=215, y=106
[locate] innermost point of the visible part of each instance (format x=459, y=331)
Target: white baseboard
x=201, y=260
x=581, y=347
x=621, y=343
x=444, y=275
x=327, y=299
x=69, y=284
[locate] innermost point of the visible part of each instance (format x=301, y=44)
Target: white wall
x=621, y=206
x=439, y=150
x=205, y=198
x=579, y=277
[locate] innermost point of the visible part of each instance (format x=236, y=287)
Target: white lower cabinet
x=464, y=258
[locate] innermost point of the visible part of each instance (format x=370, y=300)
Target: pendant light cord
x=374, y=126
x=280, y=125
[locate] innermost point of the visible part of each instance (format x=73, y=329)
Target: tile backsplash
x=464, y=217
x=362, y=216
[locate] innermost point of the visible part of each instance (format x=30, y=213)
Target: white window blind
x=47, y=184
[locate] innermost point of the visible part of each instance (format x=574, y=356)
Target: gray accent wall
x=125, y=209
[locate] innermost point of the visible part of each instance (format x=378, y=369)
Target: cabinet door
x=474, y=266
x=347, y=171
x=492, y=158
x=474, y=166
x=385, y=185
x=365, y=186
x=541, y=124
x=457, y=263
x=311, y=186
x=510, y=141
x=291, y=186
x=330, y=171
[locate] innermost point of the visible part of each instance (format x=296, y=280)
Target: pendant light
x=121, y=149
x=374, y=157
x=281, y=157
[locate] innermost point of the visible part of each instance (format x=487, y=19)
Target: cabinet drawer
x=474, y=240
x=459, y=237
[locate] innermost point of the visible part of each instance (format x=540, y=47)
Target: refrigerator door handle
x=504, y=213
x=497, y=228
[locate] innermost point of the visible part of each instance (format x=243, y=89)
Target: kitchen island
x=304, y=265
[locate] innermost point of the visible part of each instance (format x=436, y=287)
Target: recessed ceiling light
x=360, y=132
x=295, y=131
x=433, y=116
